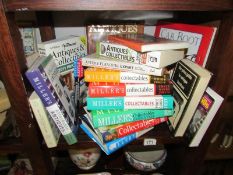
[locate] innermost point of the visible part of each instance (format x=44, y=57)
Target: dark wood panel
x=198, y=5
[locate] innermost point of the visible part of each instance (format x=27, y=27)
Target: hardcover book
x=96, y=33
x=156, y=59
x=113, y=132
x=147, y=43
x=48, y=128
x=113, y=145
x=100, y=89
x=189, y=82
x=112, y=117
x=116, y=76
x=200, y=38
x=108, y=63
x=45, y=79
x=64, y=51
x=136, y=102
x=204, y=114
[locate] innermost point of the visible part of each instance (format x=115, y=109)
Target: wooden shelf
x=57, y=5
x=11, y=145
x=161, y=133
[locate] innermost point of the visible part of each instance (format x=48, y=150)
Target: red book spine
x=138, y=126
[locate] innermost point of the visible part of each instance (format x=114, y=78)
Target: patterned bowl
x=146, y=160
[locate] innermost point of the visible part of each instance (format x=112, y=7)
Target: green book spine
x=111, y=117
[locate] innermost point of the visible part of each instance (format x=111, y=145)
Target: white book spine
x=48, y=129
x=140, y=89
x=130, y=77
x=120, y=65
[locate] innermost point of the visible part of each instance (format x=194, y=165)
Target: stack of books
x=129, y=89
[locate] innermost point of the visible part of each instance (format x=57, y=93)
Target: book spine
x=115, y=77
x=148, y=102
x=129, y=128
x=122, y=66
x=41, y=49
x=111, y=117
x=120, y=52
x=122, y=89
x=49, y=132
x=52, y=105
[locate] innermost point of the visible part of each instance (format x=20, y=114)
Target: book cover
x=113, y=132
x=204, y=114
x=189, y=82
x=111, y=117
x=147, y=43
x=51, y=100
x=156, y=59
x=99, y=32
x=136, y=102
x=92, y=74
x=200, y=38
x=48, y=128
x=100, y=89
x=98, y=61
x=113, y=145
x=64, y=51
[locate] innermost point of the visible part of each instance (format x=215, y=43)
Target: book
x=147, y=43
x=113, y=132
x=45, y=79
x=136, y=102
x=48, y=128
x=100, y=89
x=200, y=38
x=113, y=145
x=102, y=118
x=204, y=114
x=99, y=32
x=98, y=61
x=189, y=82
x=156, y=59
x=31, y=58
x=115, y=76
x=64, y=50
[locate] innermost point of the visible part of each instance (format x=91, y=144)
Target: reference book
x=156, y=59
x=113, y=145
x=189, y=82
x=98, y=61
x=147, y=43
x=200, y=38
x=46, y=81
x=48, y=128
x=204, y=114
x=99, y=32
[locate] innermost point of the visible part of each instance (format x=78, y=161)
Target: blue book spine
x=148, y=102
x=111, y=146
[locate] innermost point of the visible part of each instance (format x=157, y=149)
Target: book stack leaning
x=129, y=90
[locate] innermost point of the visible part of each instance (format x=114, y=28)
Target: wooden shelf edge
x=57, y=5
x=12, y=145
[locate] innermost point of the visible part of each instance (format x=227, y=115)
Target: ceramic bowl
x=85, y=159
x=146, y=160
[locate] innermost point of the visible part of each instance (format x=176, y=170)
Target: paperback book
x=200, y=38
x=100, y=89
x=102, y=118
x=48, y=128
x=204, y=114
x=45, y=79
x=156, y=59
x=147, y=43
x=189, y=82
x=64, y=51
x=113, y=145
x=108, y=63
x=136, y=102
x=92, y=74
x=99, y=32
